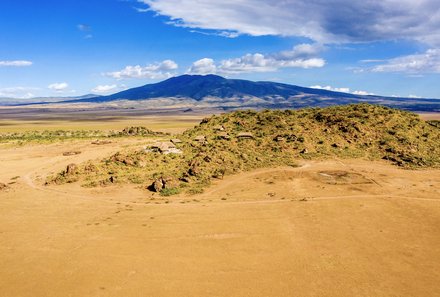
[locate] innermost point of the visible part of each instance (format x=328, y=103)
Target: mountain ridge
x=201, y=86
x=213, y=91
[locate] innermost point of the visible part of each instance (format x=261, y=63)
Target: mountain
x=199, y=87
x=212, y=91
x=217, y=91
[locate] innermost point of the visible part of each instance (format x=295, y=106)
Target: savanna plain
x=333, y=226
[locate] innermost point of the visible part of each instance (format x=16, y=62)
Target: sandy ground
x=327, y=228
x=430, y=116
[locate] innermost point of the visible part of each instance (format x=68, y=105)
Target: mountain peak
x=195, y=77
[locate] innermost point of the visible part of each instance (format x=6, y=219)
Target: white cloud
x=58, y=87
x=226, y=34
x=203, y=66
x=341, y=90
x=428, y=62
x=102, y=89
x=362, y=93
x=164, y=69
x=17, y=63
x=141, y=9
x=414, y=96
x=18, y=92
x=84, y=27
x=327, y=21
x=301, y=56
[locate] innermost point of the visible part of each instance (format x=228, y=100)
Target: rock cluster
x=164, y=183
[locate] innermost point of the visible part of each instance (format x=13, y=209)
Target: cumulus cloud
x=164, y=69
x=301, y=56
x=326, y=21
x=203, y=66
x=342, y=90
x=17, y=63
x=58, y=87
x=102, y=89
x=428, y=62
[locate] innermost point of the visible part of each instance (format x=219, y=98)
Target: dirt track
x=328, y=228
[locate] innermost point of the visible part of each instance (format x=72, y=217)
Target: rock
x=185, y=179
x=3, y=187
x=101, y=142
x=224, y=135
x=112, y=179
x=304, y=151
x=194, y=170
x=90, y=168
x=176, y=141
x=170, y=182
x=71, y=169
x=158, y=185
x=128, y=162
x=72, y=153
x=200, y=138
x=245, y=135
x=164, y=183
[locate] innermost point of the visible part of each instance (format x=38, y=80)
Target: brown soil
x=327, y=228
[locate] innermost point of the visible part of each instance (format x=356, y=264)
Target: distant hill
x=217, y=91
x=6, y=101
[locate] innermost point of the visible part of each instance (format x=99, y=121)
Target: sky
x=75, y=47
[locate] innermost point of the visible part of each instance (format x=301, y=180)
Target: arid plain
x=335, y=227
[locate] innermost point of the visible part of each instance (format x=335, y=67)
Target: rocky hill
x=229, y=143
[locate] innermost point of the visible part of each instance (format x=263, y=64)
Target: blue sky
x=71, y=48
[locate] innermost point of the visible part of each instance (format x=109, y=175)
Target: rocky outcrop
x=162, y=183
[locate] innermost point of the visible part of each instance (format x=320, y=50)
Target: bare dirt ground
x=327, y=228
x=20, y=119
x=430, y=116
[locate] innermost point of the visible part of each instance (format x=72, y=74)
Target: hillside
x=269, y=138
x=214, y=91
